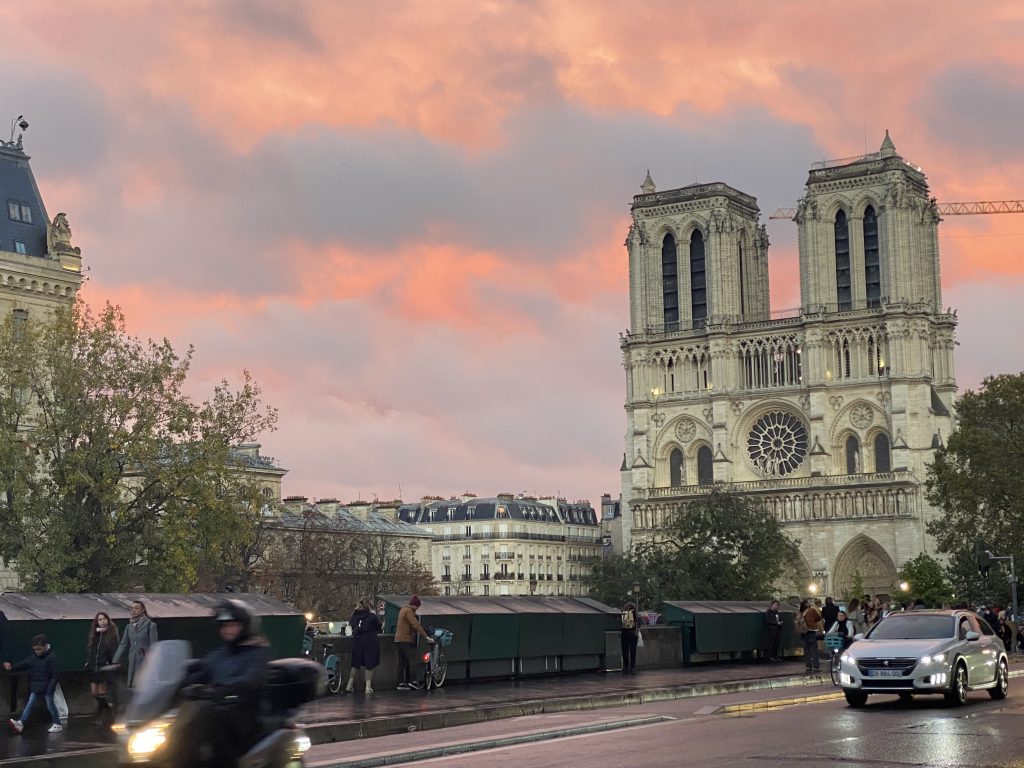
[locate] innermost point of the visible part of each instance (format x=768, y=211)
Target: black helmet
x=230, y=609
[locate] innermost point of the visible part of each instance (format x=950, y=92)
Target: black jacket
x=829, y=614
x=235, y=674
x=101, y=652
x=773, y=620
x=42, y=672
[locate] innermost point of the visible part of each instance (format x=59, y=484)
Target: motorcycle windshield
x=162, y=673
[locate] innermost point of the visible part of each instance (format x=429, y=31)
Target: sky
x=406, y=218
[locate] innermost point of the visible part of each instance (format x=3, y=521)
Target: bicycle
x=332, y=663
x=434, y=661
x=834, y=645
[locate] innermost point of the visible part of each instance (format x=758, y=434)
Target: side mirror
x=971, y=636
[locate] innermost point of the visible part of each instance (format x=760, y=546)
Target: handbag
x=639, y=639
x=60, y=702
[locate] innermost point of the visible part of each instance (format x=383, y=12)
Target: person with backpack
x=629, y=637
x=365, y=649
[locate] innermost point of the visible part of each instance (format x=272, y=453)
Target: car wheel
x=856, y=699
x=1002, y=682
x=957, y=694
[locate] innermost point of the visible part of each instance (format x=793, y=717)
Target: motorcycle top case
x=292, y=682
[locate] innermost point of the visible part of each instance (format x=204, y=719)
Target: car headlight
x=301, y=744
x=846, y=658
x=142, y=744
x=935, y=659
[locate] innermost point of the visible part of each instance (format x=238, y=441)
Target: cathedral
x=828, y=414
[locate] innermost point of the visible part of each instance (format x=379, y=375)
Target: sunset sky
x=407, y=218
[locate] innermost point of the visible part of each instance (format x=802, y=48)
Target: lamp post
x=656, y=417
x=636, y=594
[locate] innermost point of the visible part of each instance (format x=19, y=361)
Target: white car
x=918, y=652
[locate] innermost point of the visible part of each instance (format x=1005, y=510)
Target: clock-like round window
x=777, y=444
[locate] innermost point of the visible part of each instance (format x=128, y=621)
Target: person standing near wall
x=139, y=635
x=99, y=653
x=365, y=649
x=628, y=636
x=405, y=638
x=773, y=633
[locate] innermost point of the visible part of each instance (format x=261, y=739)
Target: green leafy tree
x=926, y=580
x=971, y=586
x=976, y=479
x=121, y=480
x=722, y=546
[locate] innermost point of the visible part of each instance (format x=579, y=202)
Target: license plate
x=884, y=673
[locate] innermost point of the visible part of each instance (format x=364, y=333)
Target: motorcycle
x=145, y=729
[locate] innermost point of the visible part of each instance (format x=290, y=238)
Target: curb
x=430, y=753
x=327, y=733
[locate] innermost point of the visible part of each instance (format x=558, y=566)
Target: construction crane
x=945, y=209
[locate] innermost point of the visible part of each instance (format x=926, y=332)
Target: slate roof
x=486, y=509
x=18, y=185
x=345, y=520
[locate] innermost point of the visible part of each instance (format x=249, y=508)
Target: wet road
x=887, y=732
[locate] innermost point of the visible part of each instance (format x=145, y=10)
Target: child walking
x=42, y=681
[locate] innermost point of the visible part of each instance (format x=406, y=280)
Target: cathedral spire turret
x=888, y=149
x=648, y=185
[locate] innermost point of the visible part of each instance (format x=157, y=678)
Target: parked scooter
x=145, y=731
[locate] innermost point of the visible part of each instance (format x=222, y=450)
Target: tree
x=722, y=546
x=976, y=479
x=113, y=477
x=926, y=580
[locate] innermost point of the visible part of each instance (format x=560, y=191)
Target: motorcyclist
x=220, y=718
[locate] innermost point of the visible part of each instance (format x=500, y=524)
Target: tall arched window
x=743, y=285
x=675, y=468
x=872, y=263
x=883, y=459
x=852, y=455
x=670, y=283
x=844, y=295
x=698, y=280
x=705, y=467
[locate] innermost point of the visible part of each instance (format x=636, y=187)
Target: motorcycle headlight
x=301, y=744
x=142, y=744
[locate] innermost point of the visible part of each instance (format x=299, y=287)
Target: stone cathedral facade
x=829, y=414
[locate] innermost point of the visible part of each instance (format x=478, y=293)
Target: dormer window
x=19, y=212
x=19, y=247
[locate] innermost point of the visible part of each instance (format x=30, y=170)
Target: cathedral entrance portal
x=863, y=558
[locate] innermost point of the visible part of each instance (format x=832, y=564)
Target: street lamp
x=904, y=586
x=657, y=418
x=636, y=594
x=812, y=588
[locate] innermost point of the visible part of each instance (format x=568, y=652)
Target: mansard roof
x=18, y=185
x=343, y=521
x=499, y=508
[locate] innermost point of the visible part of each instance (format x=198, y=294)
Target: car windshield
x=913, y=628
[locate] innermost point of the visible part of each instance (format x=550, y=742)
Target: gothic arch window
x=670, y=283
x=844, y=293
x=705, y=467
x=872, y=262
x=883, y=458
x=675, y=468
x=698, y=280
x=851, y=451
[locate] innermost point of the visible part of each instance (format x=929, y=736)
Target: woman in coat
x=365, y=650
x=99, y=652
x=139, y=635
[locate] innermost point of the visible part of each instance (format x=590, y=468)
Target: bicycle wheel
x=440, y=670
x=333, y=675
x=833, y=667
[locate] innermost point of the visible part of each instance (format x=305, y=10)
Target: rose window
x=777, y=444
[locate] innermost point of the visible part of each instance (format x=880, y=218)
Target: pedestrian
x=405, y=638
x=773, y=632
x=365, y=649
x=813, y=627
x=855, y=615
x=628, y=637
x=139, y=635
x=1005, y=632
x=41, y=665
x=830, y=612
x=885, y=609
x=99, y=653
x=844, y=628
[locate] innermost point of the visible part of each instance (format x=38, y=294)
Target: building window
x=698, y=284
x=872, y=263
x=19, y=247
x=883, y=459
x=705, y=466
x=852, y=450
x=19, y=212
x=670, y=283
x=844, y=295
x=487, y=590
x=675, y=468
x=743, y=285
